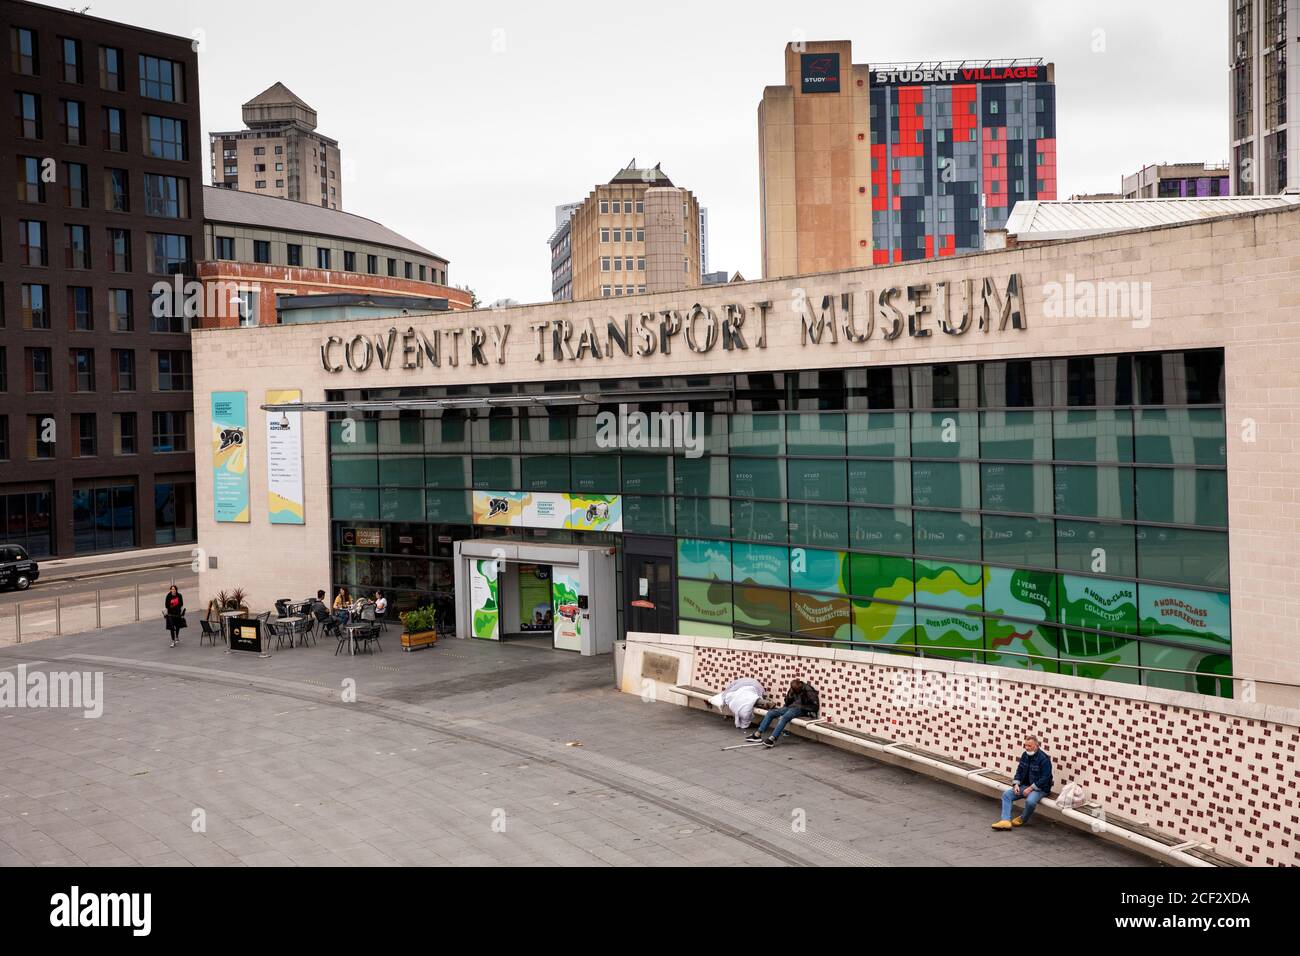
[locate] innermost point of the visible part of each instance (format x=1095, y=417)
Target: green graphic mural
x=484, y=607
x=1094, y=602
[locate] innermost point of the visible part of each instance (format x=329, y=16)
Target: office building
x=279, y=153
x=1263, y=94
x=101, y=199
x=1177, y=181
x=895, y=162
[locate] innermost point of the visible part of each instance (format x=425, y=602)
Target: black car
x=17, y=569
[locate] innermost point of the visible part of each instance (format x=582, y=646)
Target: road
x=76, y=598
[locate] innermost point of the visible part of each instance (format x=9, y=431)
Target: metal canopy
x=504, y=401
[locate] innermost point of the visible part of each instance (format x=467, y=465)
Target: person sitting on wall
x=800, y=701
x=739, y=697
x=1032, y=782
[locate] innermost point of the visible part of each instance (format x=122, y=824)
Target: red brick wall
x=270, y=280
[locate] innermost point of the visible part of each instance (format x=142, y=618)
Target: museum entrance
x=553, y=595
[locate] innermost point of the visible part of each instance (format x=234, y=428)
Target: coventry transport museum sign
x=917, y=311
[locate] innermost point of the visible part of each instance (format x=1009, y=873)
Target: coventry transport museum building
x=1078, y=456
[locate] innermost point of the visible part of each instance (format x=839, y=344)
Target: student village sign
x=919, y=311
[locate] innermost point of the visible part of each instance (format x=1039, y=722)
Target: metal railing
x=35, y=618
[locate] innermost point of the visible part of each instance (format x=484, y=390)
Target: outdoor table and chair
x=358, y=633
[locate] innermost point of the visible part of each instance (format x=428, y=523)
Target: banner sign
x=284, y=459
x=567, y=617
x=485, y=613
x=965, y=74
x=230, y=456
x=546, y=509
x=245, y=634
x=819, y=73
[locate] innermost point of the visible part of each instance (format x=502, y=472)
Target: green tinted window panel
x=704, y=517
x=700, y=629
x=448, y=507
x=496, y=474
x=880, y=482
x=401, y=471
x=949, y=434
x=1183, y=557
x=706, y=601
x=950, y=585
x=819, y=525
x=949, y=634
x=879, y=622
x=758, y=434
x=1196, y=618
x=446, y=432
x=1099, y=656
x=698, y=558
x=1020, y=436
x=757, y=478
x=648, y=474
x=495, y=433
x=402, y=504
x=881, y=576
x=820, y=617
x=879, y=434
x=817, y=479
x=759, y=520
x=405, y=434
x=1180, y=436
x=812, y=569
x=706, y=475
x=1024, y=488
x=595, y=474
x=1209, y=671
x=1088, y=491
x=881, y=529
x=354, y=435
x=1033, y=647
x=1182, y=496
x=815, y=433
x=947, y=534
x=354, y=469
x=355, y=503
x=545, y=473
x=541, y=433
x=1088, y=435
x=447, y=471
x=1098, y=603
x=760, y=564
x=716, y=438
x=1027, y=541
x=1093, y=547
x=645, y=515
x=762, y=608
x=1014, y=592
x=945, y=484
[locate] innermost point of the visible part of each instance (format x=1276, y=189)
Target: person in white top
x=381, y=604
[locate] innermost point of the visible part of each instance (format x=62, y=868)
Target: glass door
x=649, y=583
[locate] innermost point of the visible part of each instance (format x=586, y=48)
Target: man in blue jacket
x=1032, y=782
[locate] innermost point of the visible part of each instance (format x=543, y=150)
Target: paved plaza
x=466, y=753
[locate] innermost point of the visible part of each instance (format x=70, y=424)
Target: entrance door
x=650, y=585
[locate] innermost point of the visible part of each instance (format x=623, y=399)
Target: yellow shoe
x=1002, y=825
x=1018, y=822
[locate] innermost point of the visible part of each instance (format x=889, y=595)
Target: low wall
x=1198, y=769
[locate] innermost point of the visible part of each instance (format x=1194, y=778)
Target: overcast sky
x=464, y=124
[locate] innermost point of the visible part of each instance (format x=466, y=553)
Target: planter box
x=413, y=642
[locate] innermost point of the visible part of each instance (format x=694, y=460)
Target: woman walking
x=174, y=612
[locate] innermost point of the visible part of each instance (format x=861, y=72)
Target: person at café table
x=341, y=604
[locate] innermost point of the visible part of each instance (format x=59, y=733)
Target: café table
x=351, y=628
x=226, y=618
x=294, y=622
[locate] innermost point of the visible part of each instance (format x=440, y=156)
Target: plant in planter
x=419, y=628
x=232, y=600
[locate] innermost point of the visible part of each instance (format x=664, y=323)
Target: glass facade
x=1067, y=515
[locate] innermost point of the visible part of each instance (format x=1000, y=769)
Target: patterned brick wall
x=1227, y=781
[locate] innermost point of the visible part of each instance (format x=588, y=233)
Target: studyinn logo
x=122, y=910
